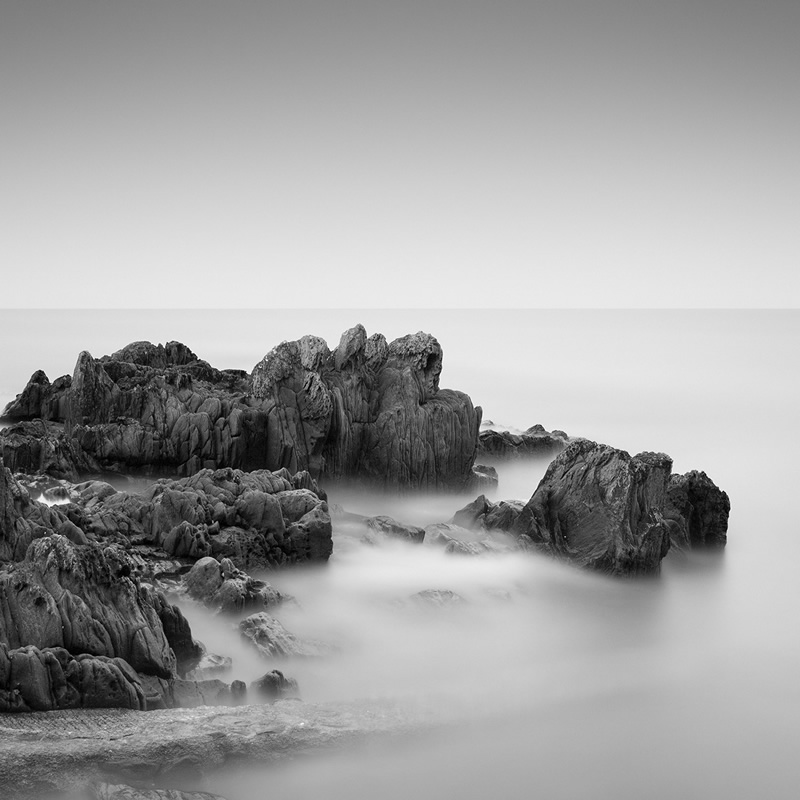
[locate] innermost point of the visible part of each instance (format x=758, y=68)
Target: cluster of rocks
x=606, y=510
x=83, y=621
x=368, y=410
x=85, y=618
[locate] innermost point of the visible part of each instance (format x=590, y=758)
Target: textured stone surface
x=699, y=511
x=369, y=409
x=601, y=508
x=64, y=750
x=221, y=586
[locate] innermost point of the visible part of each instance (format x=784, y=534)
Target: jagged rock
x=504, y=445
x=43, y=447
x=81, y=598
x=698, y=510
x=220, y=585
x=368, y=410
x=274, y=686
x=601, y=508
x=22, y=520
x=272, y=640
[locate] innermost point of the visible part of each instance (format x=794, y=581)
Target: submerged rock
x=602, y=509
x=392, y=529
x=272, y=640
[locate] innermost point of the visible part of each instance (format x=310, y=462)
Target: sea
x=547, y=680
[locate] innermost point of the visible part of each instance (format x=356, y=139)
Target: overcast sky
x=444, y=153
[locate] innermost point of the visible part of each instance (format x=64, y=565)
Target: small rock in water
x=275, y=685
x=272, y=640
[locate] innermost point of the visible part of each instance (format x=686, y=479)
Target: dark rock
x=275, y=686
x=602, y=509
x=52, y=678
x=369, y=410
x=698, y=510
x=44, y=447
x=536, y=441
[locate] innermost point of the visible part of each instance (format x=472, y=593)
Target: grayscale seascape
x=540, y=678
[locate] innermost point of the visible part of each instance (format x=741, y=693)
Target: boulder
x=601, y=509
x=698, y=510
x=221, y=586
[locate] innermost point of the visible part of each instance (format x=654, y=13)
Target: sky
x=437, y=154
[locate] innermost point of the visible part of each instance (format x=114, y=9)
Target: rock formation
x=368, y=410
x=496, y=445
x=698, y=510
x=601, y=508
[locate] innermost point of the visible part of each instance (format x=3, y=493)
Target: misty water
x=548, y=680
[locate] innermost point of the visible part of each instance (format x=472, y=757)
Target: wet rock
x=602, y=509
x=272, y=640
x=274, y=686
x=210, y=665
x=698, y=511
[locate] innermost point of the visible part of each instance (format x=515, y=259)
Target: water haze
x=556, y=681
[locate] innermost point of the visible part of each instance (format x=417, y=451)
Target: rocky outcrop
x=496, y=445
x=43, y=447
x=698, y=511
x=602, y=509
x=369, y=410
